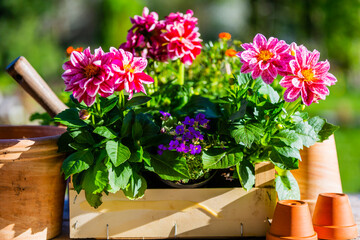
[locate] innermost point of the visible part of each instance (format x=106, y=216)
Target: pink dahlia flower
x=180, y=17
x=128, y=72
x=265, y=58
x=88, y=74
x=146, y=21
x=144, y=37
x=309, y=77
x=183, y=41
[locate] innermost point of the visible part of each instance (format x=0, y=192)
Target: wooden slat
x=264, y=174
x=169, y=213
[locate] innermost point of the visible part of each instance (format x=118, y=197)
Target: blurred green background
x=42, y=30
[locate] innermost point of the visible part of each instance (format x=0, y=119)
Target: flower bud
x=267, y=117
x=84, y=114
x=279, y=126
x=231, y=81
x=303, y=107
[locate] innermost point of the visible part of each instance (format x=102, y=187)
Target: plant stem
x=292, y=111
x=181, y=73
x=98, y=107
x=121, y=99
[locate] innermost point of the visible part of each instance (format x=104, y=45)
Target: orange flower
x=231, y=52
x=225, y=36
x=70, y=49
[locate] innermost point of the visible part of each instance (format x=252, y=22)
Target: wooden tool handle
x=22, y=71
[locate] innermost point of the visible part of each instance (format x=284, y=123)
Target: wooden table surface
x=354, y=200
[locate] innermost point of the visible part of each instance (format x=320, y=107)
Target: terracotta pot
x=318, y=171
x=333, y=218
x=291, y=220
x=31, y=186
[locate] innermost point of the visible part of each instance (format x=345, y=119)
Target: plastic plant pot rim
x=270, y=236
x=328, y=232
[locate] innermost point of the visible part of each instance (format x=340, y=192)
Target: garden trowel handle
x=22, y=71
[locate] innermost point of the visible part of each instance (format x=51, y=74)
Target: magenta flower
x=183, y=41
x=87, y=75
x=146, y=21
x=180, y=17
x=195, y=149
x=309, y=77
x=144, y=37
x=265, y=58
x=128, y=72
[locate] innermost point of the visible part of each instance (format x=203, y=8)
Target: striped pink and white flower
x=265, y=58
x=128, y=71
x=183, y=41
x=88, y=74
x=308, y=77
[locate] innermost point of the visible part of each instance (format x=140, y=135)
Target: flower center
x=265, y=55
x=128, y=68
x=91, y=71
x=308, y=75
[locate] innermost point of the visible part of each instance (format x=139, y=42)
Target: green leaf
x=78, y=146
x=70, y=118
x=283, y=162
x=215, y=158
x=288, y=151
x=246, y=172
x=77, y=181
x=93, y=199
x=306, y=133
x=241, y=113
x=317, y=123
x=147, y=158
x=135, y=101
x=170, y=166
x=326, y=131
x=137, y=156
x=119, y=177
x=246, y=134
x=105, y=132
x=243, y=79
x=149, y=128
x=136, y=187
x=63, y=143
x=82, y=136
x=77, y=162
x=117, y=152
x=266, y=89
x=127, y=123
x=287, y=187
x=290, y=138
x=137, y=131
x=95, y=178
x=108, y=104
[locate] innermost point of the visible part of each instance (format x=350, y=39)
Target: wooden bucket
x=318, y=171
x=31, y=186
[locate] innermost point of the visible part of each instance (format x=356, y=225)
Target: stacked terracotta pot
x=332, y=219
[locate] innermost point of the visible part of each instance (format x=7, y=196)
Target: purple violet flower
x=173, y=144
x=182, y=148
x=162, y=147
x=195, y=149
x=165, y=115
x=160, y=152
x=200, y=118
x=180, y=129
x=187, y=136
x=188, y=121
x=198, y=135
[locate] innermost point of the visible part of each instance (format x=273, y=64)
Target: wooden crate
x=178, y=213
